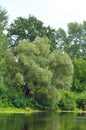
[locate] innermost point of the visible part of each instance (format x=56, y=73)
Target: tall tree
x=3, y=17
x=79, y=82
x=3, y=38
x=61, y=39
x=3, y=52
x=33, y=70
x=73, y=42
x=29, y=28
x=77, y=40
x=30, y=69
x=36, y=66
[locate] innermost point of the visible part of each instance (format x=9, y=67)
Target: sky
x=55, y=13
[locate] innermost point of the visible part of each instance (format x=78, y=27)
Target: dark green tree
x=3, y=52
x=3, y=17
x=73, y=42
x=61, y=39
x=79, y=82
x=3, y=39
x=77, y=40
x=29, y=28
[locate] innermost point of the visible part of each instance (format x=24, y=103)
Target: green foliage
x=3, y=88
x=3, y=17
x=19, y=79
x=37, y=74
x=79, y=82
x=68, y=101
x=47, y=99
x=61, y=39
x=31, y=69
x=3, y=44
x=62, y=68
x=3, y=52
x=72, y=42
x=29, y=28
x=4, y=95
x=77, y=39
x=81, y=100
x=41, y=100
x=18, y=101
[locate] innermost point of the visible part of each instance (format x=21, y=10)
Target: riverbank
x=17, y=110
x=29, y=110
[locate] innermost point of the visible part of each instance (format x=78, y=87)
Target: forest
x=41, y=67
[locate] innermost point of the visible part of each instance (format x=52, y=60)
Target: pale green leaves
x=38, y=67
x=19, y=79
x=62, y=69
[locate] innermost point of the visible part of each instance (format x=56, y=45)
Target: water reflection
x=26, y=127
x=43, y=121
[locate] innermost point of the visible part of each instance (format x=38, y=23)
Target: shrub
x=44, y=100
x=68, y=100
x=81, y=100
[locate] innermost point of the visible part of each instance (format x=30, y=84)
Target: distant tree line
x=41, y=67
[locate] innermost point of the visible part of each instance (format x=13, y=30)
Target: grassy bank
x=29, y=110
x=17, y=110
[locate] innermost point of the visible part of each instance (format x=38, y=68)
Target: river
x=43, y=121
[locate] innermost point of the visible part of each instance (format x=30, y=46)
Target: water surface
x=43, y=121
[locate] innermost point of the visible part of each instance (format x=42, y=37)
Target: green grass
x=29, y=110
x=16, y=110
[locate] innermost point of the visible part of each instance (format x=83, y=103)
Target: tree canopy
x=32, y=68
x=79, y=82
x=29, y=28
x=41, y=67
x=3, y=17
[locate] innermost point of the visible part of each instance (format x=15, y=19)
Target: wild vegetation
x=41, y=67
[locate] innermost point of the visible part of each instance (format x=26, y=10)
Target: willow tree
x=33, y=69
x=62, y=68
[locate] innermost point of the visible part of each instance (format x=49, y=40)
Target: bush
x=3, y=96
x=20, y=101
x=81, y=100
x=45, y=101
x=68, y=100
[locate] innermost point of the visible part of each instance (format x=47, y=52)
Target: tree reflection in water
x=43, y=121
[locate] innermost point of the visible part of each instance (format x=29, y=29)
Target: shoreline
x=29, y=110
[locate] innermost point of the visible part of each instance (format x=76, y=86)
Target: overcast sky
x=56, y=13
